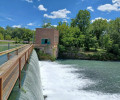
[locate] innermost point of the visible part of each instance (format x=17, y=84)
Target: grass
x=5, y=42
x=3, y=48
x=92, y=51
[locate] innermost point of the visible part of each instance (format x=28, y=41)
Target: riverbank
x=90, y=56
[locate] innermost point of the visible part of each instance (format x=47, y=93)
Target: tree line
x=16, y=34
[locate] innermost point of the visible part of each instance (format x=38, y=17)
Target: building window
x=45, y=41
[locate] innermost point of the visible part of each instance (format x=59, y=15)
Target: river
x=80, y=80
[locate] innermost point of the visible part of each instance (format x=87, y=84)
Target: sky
x=34, y=13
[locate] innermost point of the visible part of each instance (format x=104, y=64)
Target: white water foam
x=60, y=84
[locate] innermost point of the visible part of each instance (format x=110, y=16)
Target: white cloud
x=45, y=23
x=58, y=14
x=30, y=24
x=100, y=18
x=54, y=25
x=16, y=26
x=64, y=20
x=29, y=1
x=110, y=7
x=41, y=7
x=10, y=19
x=116, y=1
x=90, y=8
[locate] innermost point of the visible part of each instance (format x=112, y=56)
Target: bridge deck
x=11, y=70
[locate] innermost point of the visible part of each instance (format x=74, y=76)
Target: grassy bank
x=6, y=42
x=99, y=54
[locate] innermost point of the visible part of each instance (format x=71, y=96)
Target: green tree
x=105, y=41
x=27, y=35
x=9, y=30
x=82, y=20
x=90, y=41
x=17, y=34
x=70, y=37
x=1, y=36
x=99, y=27
x=114, y=30
x=46, y=25
x=2, y=31
x=7, y=37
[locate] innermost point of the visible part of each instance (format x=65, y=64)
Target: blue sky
x=32, y=13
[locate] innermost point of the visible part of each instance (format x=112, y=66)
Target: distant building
x=47, y=40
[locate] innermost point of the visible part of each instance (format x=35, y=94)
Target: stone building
x=47, y=40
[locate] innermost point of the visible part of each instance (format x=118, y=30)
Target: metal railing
x=11, y=70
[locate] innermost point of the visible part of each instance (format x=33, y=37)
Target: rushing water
x=31, y=82
x=81, y=80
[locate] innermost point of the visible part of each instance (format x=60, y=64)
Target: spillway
x=32, y=83
x=31, y=88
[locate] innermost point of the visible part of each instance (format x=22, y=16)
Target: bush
x=44, y=56
x=1, y=37
x=61, y=48
x=113, y=49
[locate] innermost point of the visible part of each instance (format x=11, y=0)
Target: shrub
x=44, y=56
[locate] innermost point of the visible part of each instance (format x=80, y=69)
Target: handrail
x=11, y=71
x=11, y=50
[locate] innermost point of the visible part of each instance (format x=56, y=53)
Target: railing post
x=32, y=48
x=1, y=95
x=25, y=57
x=17, y=52
x=8, y=56
x=8, y=46
x=28, y=53
x=25, y=62
x=19, y=72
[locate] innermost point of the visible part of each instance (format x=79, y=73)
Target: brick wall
x=46, y=33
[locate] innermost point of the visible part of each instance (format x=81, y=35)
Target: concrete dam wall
x=31, y=88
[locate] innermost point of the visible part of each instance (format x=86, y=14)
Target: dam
x=19, y=72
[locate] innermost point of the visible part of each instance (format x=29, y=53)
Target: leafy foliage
x=17, y=34
x=82, y=34
x=44, y=56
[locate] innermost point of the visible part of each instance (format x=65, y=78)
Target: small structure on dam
x=47, y=40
